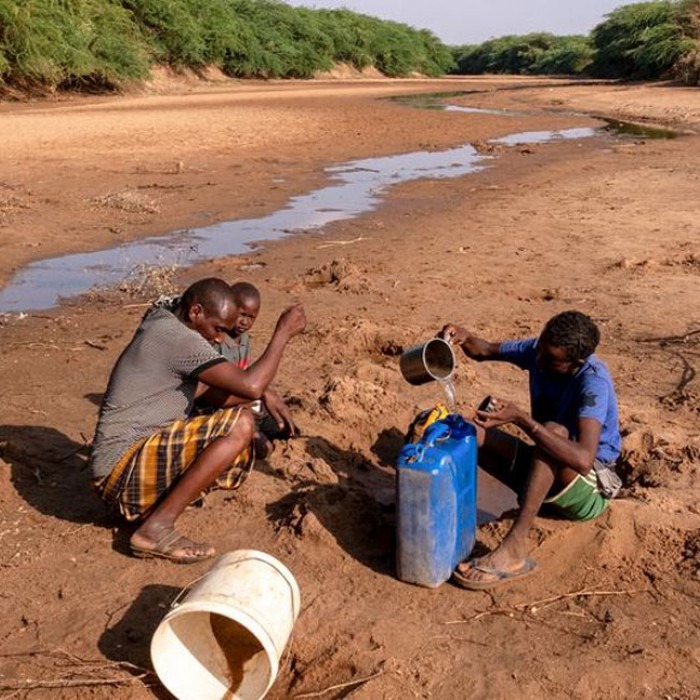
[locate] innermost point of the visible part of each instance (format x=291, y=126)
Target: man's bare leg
x=511, y=554
x=208, y=465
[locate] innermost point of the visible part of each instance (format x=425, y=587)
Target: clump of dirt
x=488, y=147
x=649, y=460
x=682, y=399
x=690, y=562
x=362, y=337
x=150, y=281
x=299, y=461
x=340, y=514
x=634, y=265
x=341, y=275
x=690, y=261
x=355, y=401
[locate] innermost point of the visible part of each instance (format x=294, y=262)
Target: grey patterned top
x=152, y=385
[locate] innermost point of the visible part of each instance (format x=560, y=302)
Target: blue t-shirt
x=564, y=398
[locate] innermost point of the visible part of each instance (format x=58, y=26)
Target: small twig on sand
x=78, y=660
x=546, y=602
x=672, y=339
x=508, y=612
x=34, y=344
x=73, y=530
x=71, y=682
x=688, y=373
x=319, y=693
x=8, y=563
x=539, y=605
x=687, y=376
x=332, y=243
x=112, y=613
x=89, y=668
x=82, y=447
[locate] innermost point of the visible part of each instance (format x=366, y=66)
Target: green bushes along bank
x=103, y=43
x=642, y=41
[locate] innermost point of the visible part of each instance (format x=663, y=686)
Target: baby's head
x=247, y=299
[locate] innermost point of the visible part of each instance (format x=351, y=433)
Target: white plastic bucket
x=226, y=637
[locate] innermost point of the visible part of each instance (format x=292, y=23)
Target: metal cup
x=428, y=362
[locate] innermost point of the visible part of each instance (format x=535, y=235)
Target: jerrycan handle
x=439, y=431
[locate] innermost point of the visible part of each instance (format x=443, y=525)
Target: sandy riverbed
x=603, y=225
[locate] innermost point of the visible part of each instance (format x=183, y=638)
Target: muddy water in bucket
x=239, y=646
x=225, y=637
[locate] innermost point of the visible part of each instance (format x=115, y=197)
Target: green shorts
x=581, y=499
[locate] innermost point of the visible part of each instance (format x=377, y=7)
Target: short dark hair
x=575, y=332
x=212, y=293
x=245, y=290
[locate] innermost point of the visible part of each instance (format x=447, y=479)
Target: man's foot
x=263, y=447
x=506, y=563
x=477, y=576
x=172, y=546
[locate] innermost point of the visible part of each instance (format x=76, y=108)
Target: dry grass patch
x=10, y=203
x=150, y=281
x=129, y=201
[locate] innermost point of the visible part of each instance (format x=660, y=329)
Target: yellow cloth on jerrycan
x=424, y=419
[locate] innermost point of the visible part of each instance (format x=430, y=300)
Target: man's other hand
x=292, y=320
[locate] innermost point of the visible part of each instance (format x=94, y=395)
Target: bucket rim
x=210, y=606
x=438, y=341
x=417, y=355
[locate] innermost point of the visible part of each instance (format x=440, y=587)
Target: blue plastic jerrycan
x=436, y=502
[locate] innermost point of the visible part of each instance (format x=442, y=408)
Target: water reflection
x=527, y=137
x=355, y=188
x=434, y=100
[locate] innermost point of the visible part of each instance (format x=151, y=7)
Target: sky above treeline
x=459, y=22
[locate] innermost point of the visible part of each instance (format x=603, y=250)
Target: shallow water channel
x=355, y=187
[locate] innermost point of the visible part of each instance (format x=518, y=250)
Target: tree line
x=642, y=41
x=104, y=43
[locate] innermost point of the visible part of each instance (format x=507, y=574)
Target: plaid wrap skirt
x=150, y=466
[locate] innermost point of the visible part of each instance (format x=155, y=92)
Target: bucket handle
x=176, y=602
x=187, y=587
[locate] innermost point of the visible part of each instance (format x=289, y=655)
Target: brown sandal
x=167, y=545
x=496, y=576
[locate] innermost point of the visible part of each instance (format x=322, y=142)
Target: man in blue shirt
x=573, y=423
